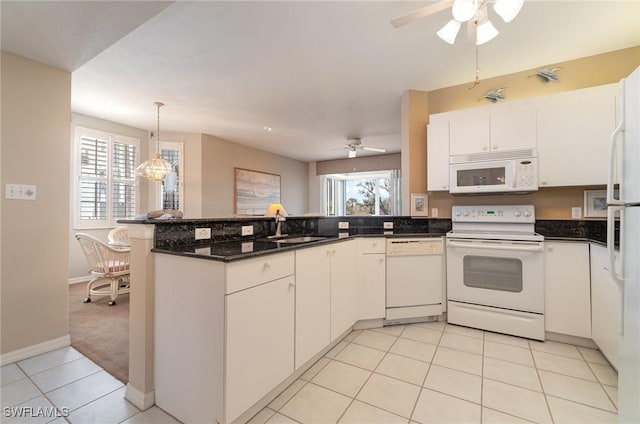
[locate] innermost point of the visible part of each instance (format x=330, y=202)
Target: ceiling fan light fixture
x=464, y=10
x=485, y=33
x=449, y=32
x=352, y=153
x=507, y=9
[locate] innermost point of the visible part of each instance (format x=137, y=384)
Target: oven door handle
x=533, y=247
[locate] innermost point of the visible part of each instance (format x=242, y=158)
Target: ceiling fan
x=475, y=12
x=354, y=144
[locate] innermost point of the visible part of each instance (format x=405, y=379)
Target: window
x=363, y=193
x=171, y=189
x=105, y=188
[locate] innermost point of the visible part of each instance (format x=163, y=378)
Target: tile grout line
x=600, y=381
x=544, y=393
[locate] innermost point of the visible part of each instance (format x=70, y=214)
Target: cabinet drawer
x=373, y=245
x=252, y=272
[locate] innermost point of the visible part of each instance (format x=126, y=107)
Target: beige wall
x=413, y=134
x=36, y=105
x=551, y=203
x=219, y=157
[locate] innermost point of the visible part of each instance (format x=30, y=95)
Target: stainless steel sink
x=302, y=239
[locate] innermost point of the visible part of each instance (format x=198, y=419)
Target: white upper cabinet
x=514, y=128
x=573, y=136
x=438, y=156
x=470, y=134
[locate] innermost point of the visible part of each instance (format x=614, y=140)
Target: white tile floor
x=420, y=373
x=81, y=391
x=440, y=373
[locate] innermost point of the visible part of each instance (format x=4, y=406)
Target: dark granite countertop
x=232, y=250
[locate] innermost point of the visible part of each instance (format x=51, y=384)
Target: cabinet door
x=606, y=319
x=469, y=135
x=567, y=295
x=344, y=286
x=259, y=356
x=573, y=137
x=372, y=286
x=313, y=307
x=438, y=156
x=513, y=129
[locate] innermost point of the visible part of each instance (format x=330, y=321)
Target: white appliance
x=624, y=166
x=495, y=270
x=415, y=279
x=494, y=172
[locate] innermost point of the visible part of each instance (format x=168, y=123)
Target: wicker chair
x=119, y=236
x=109, y=265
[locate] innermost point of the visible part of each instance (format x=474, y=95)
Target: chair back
x=104, y=259
x=119, y=236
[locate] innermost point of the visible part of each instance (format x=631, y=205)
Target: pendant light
x=157, y=168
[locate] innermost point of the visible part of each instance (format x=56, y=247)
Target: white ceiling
x=316, y=72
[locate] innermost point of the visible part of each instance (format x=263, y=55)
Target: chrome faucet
x=279, y=219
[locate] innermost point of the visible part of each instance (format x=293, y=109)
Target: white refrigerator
x=624, y=168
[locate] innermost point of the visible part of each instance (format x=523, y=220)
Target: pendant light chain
x=477, y=80
x=159, y=105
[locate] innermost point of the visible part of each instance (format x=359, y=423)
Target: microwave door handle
x=613, y=153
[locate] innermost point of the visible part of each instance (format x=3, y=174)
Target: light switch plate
x=247, y=230
x=576, y=213
x=20, y=191
x=343, y=225
x=434, y=213
x=203, y=233
x=387, y=225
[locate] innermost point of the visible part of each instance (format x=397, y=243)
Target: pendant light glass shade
x=449, y=32
x=485, y=32
x=157, y=168
x=507, y=9
x=464, y=10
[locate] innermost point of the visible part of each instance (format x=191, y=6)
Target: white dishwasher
x=415, y=279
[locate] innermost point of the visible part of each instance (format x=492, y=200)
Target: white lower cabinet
x=313, y=302
x=567, y=308
x=224, y=334
x=259, y=345
x=606, y=315
x=372, y=290
x=344, y=286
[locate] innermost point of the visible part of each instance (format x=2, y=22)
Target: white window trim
x=173, y=145
x=110, y=222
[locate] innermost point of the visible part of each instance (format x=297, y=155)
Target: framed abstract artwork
x=255, y=191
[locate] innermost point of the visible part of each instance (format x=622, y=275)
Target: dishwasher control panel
x=414, y=246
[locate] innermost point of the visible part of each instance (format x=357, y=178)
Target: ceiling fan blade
x=421, y=13
x=374, y=149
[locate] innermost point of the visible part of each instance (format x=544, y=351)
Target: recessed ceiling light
x=268, y=129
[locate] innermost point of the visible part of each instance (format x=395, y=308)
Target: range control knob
x=458, y=213
x=527, y=213
x=516, y=214
x=466, y=213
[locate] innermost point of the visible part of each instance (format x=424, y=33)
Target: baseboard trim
x=34, y=350
x=142, y=401
x=78, y=280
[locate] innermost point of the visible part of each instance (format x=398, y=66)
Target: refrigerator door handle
x=618, y=278
x=613, y=153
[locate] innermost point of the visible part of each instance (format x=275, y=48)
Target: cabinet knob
x=550, y=248
x=543, y=183
x=333, y=251
x=495, y=147
x=267, y=264
x=484, y=149
x=444, y=187
x=381, y=260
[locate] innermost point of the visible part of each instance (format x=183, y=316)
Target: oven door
x=501, y=273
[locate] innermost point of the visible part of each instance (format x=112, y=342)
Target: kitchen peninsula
x=225, y=301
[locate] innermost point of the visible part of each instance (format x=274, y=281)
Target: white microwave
x=494, y=172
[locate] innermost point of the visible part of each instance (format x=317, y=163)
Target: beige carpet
x=101, y=332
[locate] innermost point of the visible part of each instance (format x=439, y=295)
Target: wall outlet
x=203, y=233
x=247, y=230
x=435, y=213
x=576, y=213
x=387, y=225
x=342, y=225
